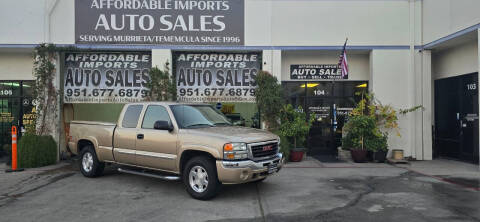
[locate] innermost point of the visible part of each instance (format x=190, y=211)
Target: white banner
x=216, y=77
x=106, y=77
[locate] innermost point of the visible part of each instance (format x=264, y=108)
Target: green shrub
x=7, y=149
x=295, y=125
x=358, y=129
x=285, y=145
x=36, y=151
x=269, y=99
x=377, y=143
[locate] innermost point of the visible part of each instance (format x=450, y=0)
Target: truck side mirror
x=163, y=125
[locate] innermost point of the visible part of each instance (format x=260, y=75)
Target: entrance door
x=16, y=108
x=456, y=117
x=321, y=140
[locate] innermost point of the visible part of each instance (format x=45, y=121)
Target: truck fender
x=201, y=148
x=91, y=139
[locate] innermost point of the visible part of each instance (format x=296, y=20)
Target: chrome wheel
x=198, y=179
x=87, y=162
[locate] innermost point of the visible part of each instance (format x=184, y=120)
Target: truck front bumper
x=235, y=172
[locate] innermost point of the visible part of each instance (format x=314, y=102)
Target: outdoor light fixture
x=362, y=86
x=310, y=85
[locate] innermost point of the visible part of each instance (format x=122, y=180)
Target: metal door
x=456, y=117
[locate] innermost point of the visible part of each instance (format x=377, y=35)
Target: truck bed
x=99, y=133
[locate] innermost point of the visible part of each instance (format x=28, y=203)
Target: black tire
x=213, y=185
x=96, y=167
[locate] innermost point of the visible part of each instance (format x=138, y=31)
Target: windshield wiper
x=200, y=124
x=222, y=124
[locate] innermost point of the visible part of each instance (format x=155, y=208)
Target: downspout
x=49, y=9
x=413, y=151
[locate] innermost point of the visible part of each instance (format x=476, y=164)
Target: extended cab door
x=156, y=148
x=125, y=137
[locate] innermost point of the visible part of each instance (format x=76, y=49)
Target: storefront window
x=330, y=102
x=16, y=108
x=318, y=89
x=294, y=93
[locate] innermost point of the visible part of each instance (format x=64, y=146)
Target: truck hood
x=234, y=134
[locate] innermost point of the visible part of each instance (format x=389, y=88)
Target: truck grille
x=264, y=150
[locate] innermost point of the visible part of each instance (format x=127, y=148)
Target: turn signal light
x=228, y=147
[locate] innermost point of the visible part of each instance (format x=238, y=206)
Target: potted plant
x=378, y=147
x=358, y=129
x=295, y=126
x=385, y=119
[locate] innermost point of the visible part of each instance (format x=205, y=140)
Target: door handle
x=140, y=136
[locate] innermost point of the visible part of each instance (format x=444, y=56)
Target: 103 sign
x=472, y=86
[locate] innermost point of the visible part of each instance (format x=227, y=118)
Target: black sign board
x=107, y=77
x=312, y=71
x=164, y=22
x=216, y=77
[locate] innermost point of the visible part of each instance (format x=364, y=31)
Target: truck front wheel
x=200, y=178
x=89, y=164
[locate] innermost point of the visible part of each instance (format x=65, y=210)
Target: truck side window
x=130, y=119
x=153, y=114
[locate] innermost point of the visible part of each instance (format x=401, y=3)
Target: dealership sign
x=165, y=22
x=106, y=77
x=216, y=77
x=316, y=72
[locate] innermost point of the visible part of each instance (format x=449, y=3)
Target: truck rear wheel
x=200, y=178
x=89, y=164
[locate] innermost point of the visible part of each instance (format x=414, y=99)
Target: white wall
x=277, y=22
x=444, y=17
x=16, y=66
x=459, y=60
x=358, y=63
x=329, y=22
x=62, y=22
x=391, y=85
x=22, y=21
x=267, y=22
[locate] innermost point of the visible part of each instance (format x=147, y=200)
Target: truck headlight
x=235, y=151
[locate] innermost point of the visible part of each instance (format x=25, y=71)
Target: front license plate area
x=272, y=168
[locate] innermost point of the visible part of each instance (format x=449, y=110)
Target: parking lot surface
x=306, y=191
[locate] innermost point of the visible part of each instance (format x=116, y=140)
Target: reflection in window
x=131, y=116
x=154, y=114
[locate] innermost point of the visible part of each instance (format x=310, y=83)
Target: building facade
x=407, y=52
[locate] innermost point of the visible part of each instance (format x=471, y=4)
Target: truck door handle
x=140, y=136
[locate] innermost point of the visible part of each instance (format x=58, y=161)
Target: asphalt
x=306, y=191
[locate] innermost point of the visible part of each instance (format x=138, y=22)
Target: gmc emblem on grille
x=268, y=148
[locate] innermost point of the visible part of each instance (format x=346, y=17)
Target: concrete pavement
x=306, y=191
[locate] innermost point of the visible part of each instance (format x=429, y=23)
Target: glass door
x=16, y=108
x=321, y=138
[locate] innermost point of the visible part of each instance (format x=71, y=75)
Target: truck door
x=125, y=136
x=156, y=148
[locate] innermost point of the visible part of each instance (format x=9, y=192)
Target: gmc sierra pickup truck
x=173, y=141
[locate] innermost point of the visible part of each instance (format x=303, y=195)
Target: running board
x=149, y=174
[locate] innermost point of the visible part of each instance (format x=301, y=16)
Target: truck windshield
x=198, y=116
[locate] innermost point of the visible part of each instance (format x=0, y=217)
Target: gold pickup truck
x=173, y=141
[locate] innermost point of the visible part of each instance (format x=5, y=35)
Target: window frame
x=138, y=118
x=145, y=114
